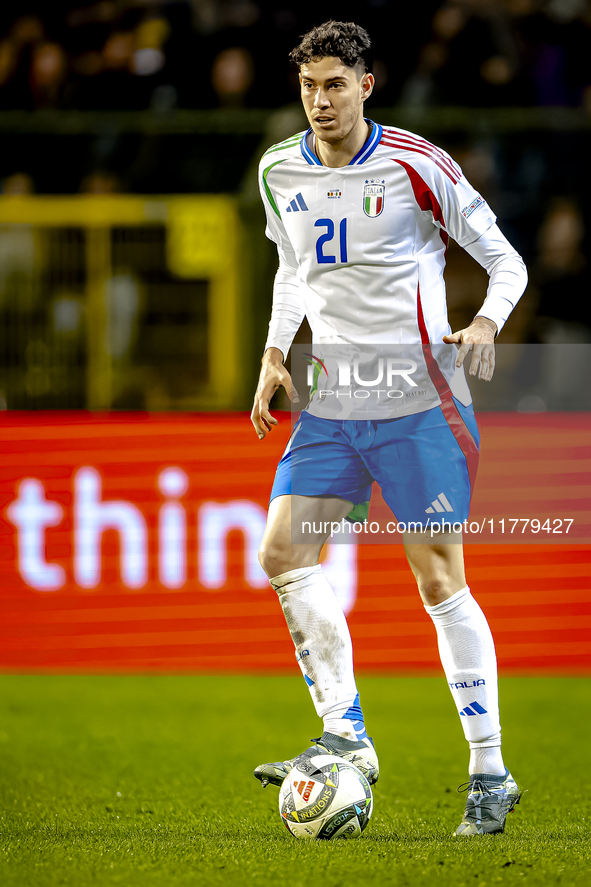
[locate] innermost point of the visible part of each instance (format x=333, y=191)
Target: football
x=325, y=797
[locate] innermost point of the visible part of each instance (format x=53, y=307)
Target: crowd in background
x=162, y=54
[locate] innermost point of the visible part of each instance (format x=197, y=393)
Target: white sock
x=468, y=657
x=324, y=651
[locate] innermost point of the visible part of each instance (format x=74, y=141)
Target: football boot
x=362, y=754
x=490, y=799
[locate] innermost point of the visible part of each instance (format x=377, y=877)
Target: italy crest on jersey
x=373, y=198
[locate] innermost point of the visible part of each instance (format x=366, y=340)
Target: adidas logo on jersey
x=473, y=709
x=440, y=504
x=297, y=204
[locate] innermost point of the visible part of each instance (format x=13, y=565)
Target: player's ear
x=367, y=85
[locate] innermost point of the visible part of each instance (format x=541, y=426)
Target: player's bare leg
x=438, y=568
x=318, y=628
x=468, y=657
x=285, y=546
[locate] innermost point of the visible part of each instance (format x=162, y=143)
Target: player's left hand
x=479, y=338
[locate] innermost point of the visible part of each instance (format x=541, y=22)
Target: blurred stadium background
x=135, y=290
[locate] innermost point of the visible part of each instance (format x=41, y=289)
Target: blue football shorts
x=425, y=464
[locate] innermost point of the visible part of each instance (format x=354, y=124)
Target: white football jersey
x=362, y=249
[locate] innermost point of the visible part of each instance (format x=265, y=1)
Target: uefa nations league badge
x=374, y=192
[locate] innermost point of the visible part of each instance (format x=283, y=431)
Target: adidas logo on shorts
x=441, y=503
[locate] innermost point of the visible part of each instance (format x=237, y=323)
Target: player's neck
x=341, y=153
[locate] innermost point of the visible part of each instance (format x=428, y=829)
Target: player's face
x=333, y=96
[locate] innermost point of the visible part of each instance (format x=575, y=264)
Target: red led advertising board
x=129, y=542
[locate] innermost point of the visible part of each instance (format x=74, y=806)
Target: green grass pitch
x=147, y=780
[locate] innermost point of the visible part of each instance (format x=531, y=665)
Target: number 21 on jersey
x=327, y=237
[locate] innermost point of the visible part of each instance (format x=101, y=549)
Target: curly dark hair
x=344, y=40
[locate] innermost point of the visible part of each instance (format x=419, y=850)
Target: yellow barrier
x=203, y=242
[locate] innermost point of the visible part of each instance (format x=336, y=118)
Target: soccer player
x=361, y=215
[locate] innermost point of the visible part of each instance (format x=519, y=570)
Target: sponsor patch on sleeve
x=469, y=209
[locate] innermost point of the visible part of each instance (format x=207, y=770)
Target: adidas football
x=325, y=797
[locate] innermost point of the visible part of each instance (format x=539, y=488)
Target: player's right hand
x=273, y=376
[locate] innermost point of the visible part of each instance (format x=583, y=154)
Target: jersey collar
x=361, y=156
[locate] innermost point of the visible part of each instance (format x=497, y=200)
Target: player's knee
x=434, y=591
x=266, y=559
x=276, y=558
